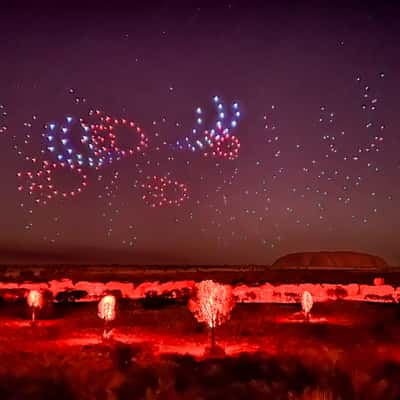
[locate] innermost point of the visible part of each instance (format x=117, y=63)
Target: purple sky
x=318, y=167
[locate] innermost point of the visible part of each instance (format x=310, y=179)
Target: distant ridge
x=330, y=259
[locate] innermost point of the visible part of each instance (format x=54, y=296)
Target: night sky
x=318, y=167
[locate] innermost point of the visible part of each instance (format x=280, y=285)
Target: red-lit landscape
x=184, y=338
x=199, y=200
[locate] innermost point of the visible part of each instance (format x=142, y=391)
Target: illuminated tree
x=35, y=303
x=306, y=304
x=212, y=303
x=106, y=311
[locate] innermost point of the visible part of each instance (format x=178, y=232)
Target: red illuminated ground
x=348, y=349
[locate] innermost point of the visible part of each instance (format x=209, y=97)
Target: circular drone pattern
x=105, y=137
x=40, y=183
x=163, y=191
x=222, y=145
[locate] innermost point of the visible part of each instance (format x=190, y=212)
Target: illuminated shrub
x=379, y=281
x=106, y=308
x=306, y=304
x=106, y=311
x=212, y=303
x=35, y=303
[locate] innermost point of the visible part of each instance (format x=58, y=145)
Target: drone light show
x=200, y=200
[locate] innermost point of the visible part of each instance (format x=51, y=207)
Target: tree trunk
x=212, y=338
x=106, y=330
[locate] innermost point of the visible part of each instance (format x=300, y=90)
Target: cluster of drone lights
x=40, y=183
x=218, y=141
x=163, y=191
x=98, y=137
x=60, y=142
x=105, y=138
x=77, y=144
x=222, y=145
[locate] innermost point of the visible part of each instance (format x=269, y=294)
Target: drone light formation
x=97, y=135
x=40, y=183
x=105, y=136
x=163, y=191
x=242, y=181
x=61, y=143
x=222, y=145
x=216, y=141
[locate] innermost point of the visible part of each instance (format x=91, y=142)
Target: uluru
x=330, y=259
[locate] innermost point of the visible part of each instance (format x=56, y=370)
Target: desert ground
x=348, y=350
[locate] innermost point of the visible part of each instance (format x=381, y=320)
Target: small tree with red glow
x=106, y=311
x=35, y=303
x=212, y=303
x=306, y=304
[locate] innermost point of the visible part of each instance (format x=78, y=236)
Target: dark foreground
x=347, y=351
